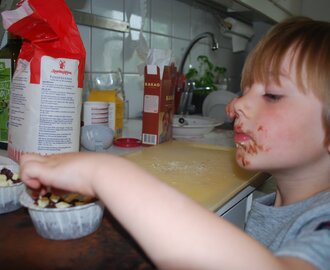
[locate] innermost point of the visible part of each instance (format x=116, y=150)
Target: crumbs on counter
x=173, y=166
x=8, y=178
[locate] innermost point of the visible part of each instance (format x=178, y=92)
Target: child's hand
x=72, y=172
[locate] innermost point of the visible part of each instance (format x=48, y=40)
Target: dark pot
x=197, y=101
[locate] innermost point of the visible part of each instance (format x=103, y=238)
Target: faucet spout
x=214, y=46
x=186, y=93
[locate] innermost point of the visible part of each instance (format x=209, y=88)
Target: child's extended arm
x=174, y=231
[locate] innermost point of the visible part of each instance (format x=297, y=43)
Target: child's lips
x=240, y=137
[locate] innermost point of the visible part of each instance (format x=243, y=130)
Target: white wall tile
x=137, y=12
x=161, y=17
x=113, y=9
x=106, y=50
x=211, y=24
x=179, y=47
x=181, y=19
x=134, y=50
x=133, y=87
x=161, y=42
x=85, y=34
x=198, y=21
x=81, y=5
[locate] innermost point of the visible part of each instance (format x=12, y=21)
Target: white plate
x=7, y=161
x=218, y=111
x=195, y=125
x=215, y=103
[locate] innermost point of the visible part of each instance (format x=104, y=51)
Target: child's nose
x=239, y=106
x=230, y=108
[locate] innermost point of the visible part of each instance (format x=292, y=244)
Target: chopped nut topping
x=51, y=200
x=8, y=178
x=63, y=205
x=43, y=202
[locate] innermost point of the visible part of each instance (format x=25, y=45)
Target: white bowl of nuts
x=63, y=217
x=11, y=186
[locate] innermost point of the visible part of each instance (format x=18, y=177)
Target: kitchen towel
x=240, y=33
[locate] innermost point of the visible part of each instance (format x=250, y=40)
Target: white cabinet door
x=276, y=10
x=237, y=214
x=268, y=8
x=236, y=209
x=291, y=6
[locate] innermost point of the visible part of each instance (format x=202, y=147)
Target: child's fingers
x=58, y=191
x=34, y=173
x=35, y=193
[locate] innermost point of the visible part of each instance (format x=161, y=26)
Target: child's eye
x=272, y=97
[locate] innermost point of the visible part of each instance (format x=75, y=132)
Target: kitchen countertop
x=222, y=136
x=111, y=247
x=206, y=173
x=221, y=178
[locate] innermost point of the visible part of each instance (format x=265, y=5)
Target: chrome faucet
x=187, y=89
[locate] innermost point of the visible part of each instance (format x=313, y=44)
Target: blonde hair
x=310, y=42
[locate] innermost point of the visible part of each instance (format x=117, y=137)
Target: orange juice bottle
x=107, y=87
x=116, y=108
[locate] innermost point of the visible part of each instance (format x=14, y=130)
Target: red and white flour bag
x=46, y=93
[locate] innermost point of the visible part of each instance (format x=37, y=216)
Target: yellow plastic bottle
x=116, y=107
x=108, y=87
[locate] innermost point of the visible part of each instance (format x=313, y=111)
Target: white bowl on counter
x=9, y=195
x=193, y=125
x=96, y=137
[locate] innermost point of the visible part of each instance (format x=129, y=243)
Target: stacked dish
x=215, y=103
x=10, y=190
x=192, y=125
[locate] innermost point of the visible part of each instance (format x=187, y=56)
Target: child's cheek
x=274, y=137
x=263, y=141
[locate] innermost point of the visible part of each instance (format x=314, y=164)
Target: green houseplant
x=205, y=77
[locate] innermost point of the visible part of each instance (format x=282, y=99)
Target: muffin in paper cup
x=64, y=223
x=10, y=193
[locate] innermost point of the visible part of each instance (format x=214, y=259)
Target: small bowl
x=9, y=195
x=96, y=137
x=64, y=223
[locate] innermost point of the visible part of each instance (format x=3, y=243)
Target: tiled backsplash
x=169, y=24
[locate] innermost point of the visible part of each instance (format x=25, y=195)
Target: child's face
x=279, y=127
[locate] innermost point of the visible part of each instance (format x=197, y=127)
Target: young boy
x=282, y=126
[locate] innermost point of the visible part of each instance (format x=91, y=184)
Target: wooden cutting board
x=206, y=173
